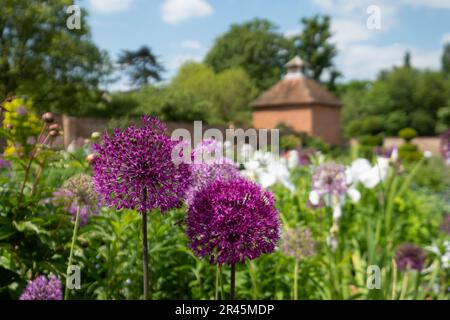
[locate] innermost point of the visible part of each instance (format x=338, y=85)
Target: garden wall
x=432, y=144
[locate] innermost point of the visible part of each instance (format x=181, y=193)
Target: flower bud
x=48, y=117
x=54, y=127
x=53, y=133
x=95, y=135
x=90, y=157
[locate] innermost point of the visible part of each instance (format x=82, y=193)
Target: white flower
x=361, y=171
x=266, y=169
x=444, y=256
x=292, y=159
x=427, y=154
x=314, y=197
x=354, y=194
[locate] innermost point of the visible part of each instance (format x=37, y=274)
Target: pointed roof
x=295, y=89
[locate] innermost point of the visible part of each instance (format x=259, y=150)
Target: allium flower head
x=133, y=168
x=42, y=288
x=329, y=178
x=409, y=256
x=231, y=221
x=78, y=192
x=298, y=243
x=445, y=224
x=207, y=167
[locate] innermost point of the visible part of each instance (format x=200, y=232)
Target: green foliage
x=443, y=122
x=408, y=134
x=20, y=123
x=41, y=57
x=409, y=152
x=227, y=93
x=256, y=46
x=262, y=51
x=445, y=60
x=402, y=97
x=290, y=142
x=314, y=45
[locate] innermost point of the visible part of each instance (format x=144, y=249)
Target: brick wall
x=317, y=121
x=297, y=117
x=423, y=143
x=327, y=124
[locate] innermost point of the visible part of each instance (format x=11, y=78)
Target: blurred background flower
x=410, y=256
x=42, y=288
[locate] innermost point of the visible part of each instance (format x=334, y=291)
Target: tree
x=59, y=68
x=445, y=60
x=255, y=46
x=141, y=66
x=229, y=92
x=407, y=60
x=313, y=45
x=403, y=97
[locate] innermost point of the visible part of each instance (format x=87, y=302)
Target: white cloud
x=176, y=11
x=445, y=38
x=346, y=32
x=435, y=4
x=365, y=61
x=107, y=6
x=191, y=44
x=292, y=33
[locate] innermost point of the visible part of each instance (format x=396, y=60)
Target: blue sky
x=180, y=30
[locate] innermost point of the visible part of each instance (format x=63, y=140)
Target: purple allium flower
x=298, y=243
x=76, y=192
x=42, y=288
x=232, y=220
x=208, y=167
x=445, y=224
x=133, y=168
x=329, y=179
x=410, y=256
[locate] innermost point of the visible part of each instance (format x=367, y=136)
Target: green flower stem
x=145, y=254
x=216, y=294
x=296, y=280
x=404, y=285
x=232, y=281
x=74, y=236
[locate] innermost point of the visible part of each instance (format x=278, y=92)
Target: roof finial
x=295, y=68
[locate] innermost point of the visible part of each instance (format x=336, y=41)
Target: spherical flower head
x=77, y=193
x=445, y=224
x=42, y=288
x=208, y=167
x=409, y=256
x=298, y=243
x=329, y=179
x=230, y=221
x=133, y=168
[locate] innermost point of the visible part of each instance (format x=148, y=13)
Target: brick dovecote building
x=301, y=103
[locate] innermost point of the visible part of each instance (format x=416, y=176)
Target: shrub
x=290, y=142
x=408, y=134
x=409, y=152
